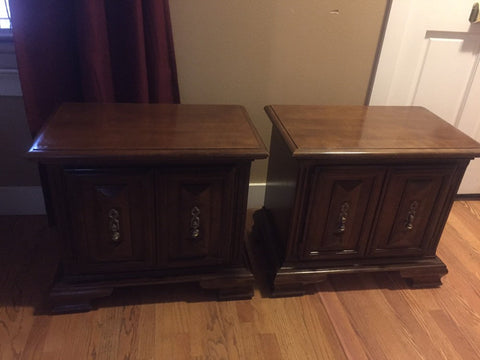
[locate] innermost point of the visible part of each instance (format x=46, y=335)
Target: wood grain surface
x=360, y=316
x=313, y=131
x=147, y=131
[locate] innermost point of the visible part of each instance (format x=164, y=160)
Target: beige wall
x=249, y=52
x=259, y=52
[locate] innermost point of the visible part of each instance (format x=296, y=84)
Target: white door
x=430, y=58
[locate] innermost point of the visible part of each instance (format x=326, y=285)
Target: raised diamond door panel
x=340, y=211
x=110, y=212
x=195, y=217
x=409, y=213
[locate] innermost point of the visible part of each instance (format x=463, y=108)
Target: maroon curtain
x=93, y=51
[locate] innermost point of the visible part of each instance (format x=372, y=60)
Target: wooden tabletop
x=147, y=131
x=357, y=131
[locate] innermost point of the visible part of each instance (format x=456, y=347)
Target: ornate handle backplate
x=342, y=218
x=114, y=225
x=195, y=223
x=412, y=212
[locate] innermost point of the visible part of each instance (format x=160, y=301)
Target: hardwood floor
x=347, y=317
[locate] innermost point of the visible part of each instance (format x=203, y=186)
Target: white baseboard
x=21, y=200
x=28, y=200
x=256, y=195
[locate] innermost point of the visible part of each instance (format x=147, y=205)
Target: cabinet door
x=413, y=199
x=340, y=211
x=111, y=219
x=195, y=217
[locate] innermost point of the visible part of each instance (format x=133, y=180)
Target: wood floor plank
x=210, y=333
x=99, y=342
x=454, y=335
x=414, y=314
x=229, y=328
x=19, y=290
x=319, y=329
x=146, y=331
x=386, y=329
x=270, y=348
x=354, y=348
x=34, y=348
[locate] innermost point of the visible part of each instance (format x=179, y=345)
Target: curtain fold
x=93, y=51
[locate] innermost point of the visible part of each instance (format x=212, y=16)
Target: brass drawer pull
x=114, y=225
x=342, y=218
x=195, y=223
x=412, y=212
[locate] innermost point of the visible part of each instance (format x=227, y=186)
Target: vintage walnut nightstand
x=358, y=189
x=145, y=194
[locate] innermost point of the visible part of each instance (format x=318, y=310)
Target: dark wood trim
x=68, y=295
x=467, y=197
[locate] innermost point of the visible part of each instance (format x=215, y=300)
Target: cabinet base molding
x=68, y=299
x=426, y=276
x=291, y=281
x=231, y=287
x=71, y=295
x=295, y=278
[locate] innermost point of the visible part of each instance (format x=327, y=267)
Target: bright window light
x=5, y=15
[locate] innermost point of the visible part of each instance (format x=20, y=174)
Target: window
x=5, y=15
x=9, y=81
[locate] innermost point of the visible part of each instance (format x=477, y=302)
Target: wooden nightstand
x=145, y=194
x=358, y=189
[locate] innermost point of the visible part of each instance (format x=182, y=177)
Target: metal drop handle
x=412, y=212
x=195, y=222
x=114, y=225
x=342, y=218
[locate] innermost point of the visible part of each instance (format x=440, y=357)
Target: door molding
x=393, y=32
